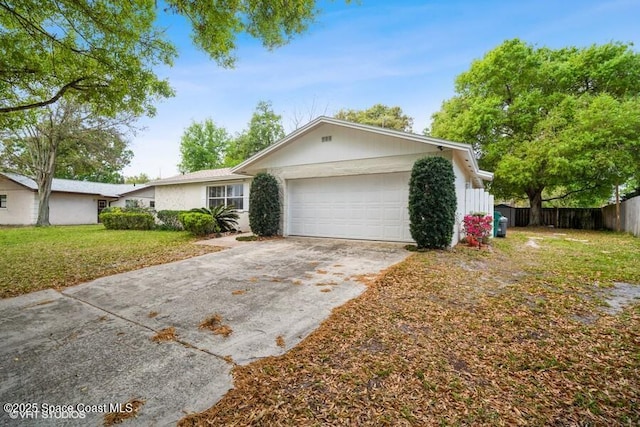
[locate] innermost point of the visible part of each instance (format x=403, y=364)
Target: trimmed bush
x=198, y=223
x=264, y=205
x=127, y=220
x=170, y=220
x=432, y=202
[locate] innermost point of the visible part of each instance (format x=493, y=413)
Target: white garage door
x=370, y=207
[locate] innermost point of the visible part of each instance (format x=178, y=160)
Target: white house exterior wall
x=144, y=196
x=462, y=182
x=22, y=204
x=70, y=209
x=194, y=195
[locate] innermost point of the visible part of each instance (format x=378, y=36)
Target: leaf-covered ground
x=514, y=335
x=33, y=258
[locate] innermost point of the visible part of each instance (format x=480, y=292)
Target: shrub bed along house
x=119, y=219
x=198, y=223
x=169, y=220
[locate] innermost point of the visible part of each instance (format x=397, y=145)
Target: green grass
x=577, y=255
x=36, y=258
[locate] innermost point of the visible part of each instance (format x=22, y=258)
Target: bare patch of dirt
x=621, y=295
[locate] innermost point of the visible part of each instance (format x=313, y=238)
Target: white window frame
x=226, y=195
x=3, y=201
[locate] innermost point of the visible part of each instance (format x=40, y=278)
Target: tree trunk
x=535, y=203
x=44, y=177
x=44, y=191
x=618, y=227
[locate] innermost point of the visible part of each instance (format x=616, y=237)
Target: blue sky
x=404, y=53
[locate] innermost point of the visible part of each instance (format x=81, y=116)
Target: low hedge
x=127, y=220
x=170, y=220
x=197, y=223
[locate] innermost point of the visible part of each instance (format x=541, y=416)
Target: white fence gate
x=478, y=200
x=629, y=216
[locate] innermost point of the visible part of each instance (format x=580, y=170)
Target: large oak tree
x=102, y=55
x=64, y=129
x=555, y=122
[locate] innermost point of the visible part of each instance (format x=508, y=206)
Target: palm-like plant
x=225, y=217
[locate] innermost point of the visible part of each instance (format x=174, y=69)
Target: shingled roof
x=207, y=175
x=78, y=187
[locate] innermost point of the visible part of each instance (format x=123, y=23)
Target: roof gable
x=345, y=140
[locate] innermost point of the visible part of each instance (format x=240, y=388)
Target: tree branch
x=71, y=85
x=593, y=187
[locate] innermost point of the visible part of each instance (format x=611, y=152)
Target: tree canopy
x=379, y=115
x=143, y=178
x=203, y=146
x=555, y=122
x=264, y=128
x=104, y=52
x=69, y=130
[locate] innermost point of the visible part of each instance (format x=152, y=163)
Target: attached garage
x=348, y=180
x=368, y=207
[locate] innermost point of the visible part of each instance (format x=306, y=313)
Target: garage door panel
x=370, y=207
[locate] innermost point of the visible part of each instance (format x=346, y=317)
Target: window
x=130, y=203
x=3, y=200
x=152, y=204
x=226, y=195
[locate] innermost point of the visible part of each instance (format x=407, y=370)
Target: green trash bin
x=496, y=222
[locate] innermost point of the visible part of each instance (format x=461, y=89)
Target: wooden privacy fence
x=581, y=218
x=578, y=218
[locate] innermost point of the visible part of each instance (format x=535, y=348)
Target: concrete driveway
x=92, y=344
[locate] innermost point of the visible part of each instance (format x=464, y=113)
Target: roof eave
x=199, y=180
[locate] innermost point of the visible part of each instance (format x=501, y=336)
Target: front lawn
x=517, y=335
x=35, y=258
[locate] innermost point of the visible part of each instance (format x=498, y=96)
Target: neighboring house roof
x=208, y=175
x=464, y=149
x=72, y=186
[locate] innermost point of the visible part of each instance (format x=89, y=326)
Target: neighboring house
x=338, y=179
x=142, y=195
x=206, y=188
x=71, y=202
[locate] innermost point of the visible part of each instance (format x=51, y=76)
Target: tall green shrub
x=264, y=205
x=432, y=202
